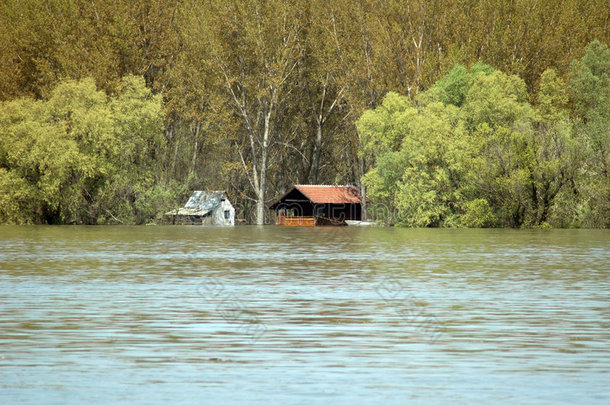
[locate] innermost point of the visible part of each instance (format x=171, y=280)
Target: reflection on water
x=312, y=315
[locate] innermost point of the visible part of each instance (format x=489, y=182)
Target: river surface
x=270, y=315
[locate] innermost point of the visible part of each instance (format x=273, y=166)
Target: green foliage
x=477, y=214
x=382, y=129
x=416, y=152
x=552, y=96
x=452, y=88
x=429, y=188
x=153, y=202
x=589, y=78
x=589, y=91
x=15, y=199
x=252, y=96
x=476, y=153
x=81, y=157
x=497, y=99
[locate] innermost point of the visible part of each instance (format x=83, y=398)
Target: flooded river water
x=269, y=315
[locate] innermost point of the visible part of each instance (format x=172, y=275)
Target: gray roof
x=200, y=203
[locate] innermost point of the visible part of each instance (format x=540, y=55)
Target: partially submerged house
x=205, y=208
x=311, y=205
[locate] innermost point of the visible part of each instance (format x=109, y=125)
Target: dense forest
x=446, y=113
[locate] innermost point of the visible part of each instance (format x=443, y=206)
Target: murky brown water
x=303, y=316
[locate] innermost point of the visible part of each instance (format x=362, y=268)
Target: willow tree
x=80, y=156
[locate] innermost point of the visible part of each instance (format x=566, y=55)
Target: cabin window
x=227, y=214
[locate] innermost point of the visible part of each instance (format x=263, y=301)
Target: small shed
x=311, y=205
x=205, y=208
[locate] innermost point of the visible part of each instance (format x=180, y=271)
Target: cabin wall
x=296, y=204
x=186, y=220
x=224, y=214
x=208, y=220
x=294, y=209
x=339, y=211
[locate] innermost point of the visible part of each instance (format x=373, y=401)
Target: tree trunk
x=194, y=157
x=260, y=211
x=318, y=153
x=196, y=146
x=363, y=200
x=260, y=195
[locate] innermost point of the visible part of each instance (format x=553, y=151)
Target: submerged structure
x=312, y=205
x=205, y=208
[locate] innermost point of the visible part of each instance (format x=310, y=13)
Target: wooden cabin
x=312, y=205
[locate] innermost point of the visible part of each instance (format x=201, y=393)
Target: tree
x=79, y=157
x=473, y=153
x=56, y=148
x=382, y=132
x=254, y=49
x=417, y=160
x=452, y=88
x=589, y=91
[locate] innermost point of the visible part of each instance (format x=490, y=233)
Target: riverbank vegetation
x=451, y=113
x=473, y=151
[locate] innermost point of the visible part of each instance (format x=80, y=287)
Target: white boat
x=350, y=222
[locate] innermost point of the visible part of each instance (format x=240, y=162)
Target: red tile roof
x=330, y=194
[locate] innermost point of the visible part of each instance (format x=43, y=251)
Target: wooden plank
x=296, y=221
